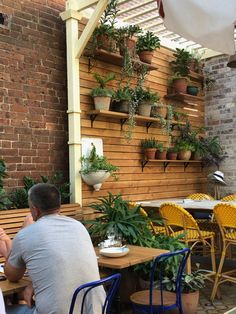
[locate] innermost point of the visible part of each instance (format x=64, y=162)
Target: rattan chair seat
x=193, y=234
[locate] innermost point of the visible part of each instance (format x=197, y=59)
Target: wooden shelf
x=123, y=117
x=194, y=76
x=191, y=100
x=117, y=59
x=166, y=162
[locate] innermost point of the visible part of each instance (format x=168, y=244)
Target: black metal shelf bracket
x=143, y=163
x=165, y=164
x=92, y=119
x=122, y=122
x=186, y=165
x=148, y=124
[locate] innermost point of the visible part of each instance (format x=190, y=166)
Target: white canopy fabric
x=207, y=22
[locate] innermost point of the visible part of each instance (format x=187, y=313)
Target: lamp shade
x=232, y=61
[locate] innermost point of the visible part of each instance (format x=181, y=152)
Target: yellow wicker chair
x=176, y=217
x=155, y=229
x=229, y=198
x=200, y=196
x=225, y=215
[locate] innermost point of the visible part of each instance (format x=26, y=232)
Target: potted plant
x=195, y=63
x=104, y=36
x=213, y=153
x=149, y=147
x=159, y=110
x=192, y=90
x=180, y=68
x=125, y=39
x=96, y=169
x=172, y=153
x=161, y=152
x=146, y=44
x=102, y=95
x=185, y=149
x=146, y=99
x=122, y=98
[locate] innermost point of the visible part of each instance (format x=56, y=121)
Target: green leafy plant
x=213, y=153
x=93, y=163
x=4, y=200
x=147, y=42
x=160, y=147
x=115, y=213
x=183, y=145
x=102, y=90
x=180, y=66
x=19, y=196
x=149, y=143
x=145, y=94
x=123, y=93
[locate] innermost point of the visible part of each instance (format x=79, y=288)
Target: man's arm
x=13, y=273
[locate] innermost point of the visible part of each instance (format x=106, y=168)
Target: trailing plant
x=94, y=163
x=106, y=26
x=102, y=81
x=148, y=42
x=19, y=196
x=116, y=214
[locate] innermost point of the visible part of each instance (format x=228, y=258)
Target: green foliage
x=19, y=196
x=160, y=147
x=149, y=143
x=115, y=213
x=148, y=42
x=183, y=145
x=124, y=93
x=94, y=163
x=173, y=149
x=144, y=94
x=102, y=81
x=4, y=200
x=180, y=64
x=126, y=32
x=213, y=153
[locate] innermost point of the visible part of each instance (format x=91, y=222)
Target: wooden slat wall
x=133, y=184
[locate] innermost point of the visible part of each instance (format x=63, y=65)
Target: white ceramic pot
x=96, y=178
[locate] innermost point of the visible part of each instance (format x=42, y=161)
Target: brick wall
x=33, y=120
x=221, y=115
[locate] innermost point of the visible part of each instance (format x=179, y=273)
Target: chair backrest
x=225, y=215
x=227, y=198
x=176, y=216
x=200, y=196
x=144, y=214
x=111, y=283
x=159, y=265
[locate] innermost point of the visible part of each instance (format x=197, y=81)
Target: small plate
x=114, y=251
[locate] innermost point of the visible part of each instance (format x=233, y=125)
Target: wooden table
x=136, y=255
x=190, y=205
x=9, y=287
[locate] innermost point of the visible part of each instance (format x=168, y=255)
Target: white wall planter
x=96, y=178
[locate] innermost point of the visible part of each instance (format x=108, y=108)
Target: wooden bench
x=12, y=220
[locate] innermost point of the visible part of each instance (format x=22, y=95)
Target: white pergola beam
x=137, y=6
x=79, y=5
x=152, y=25
x=134, y=16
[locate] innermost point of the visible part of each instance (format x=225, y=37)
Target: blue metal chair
x=157, y=301
x=112, y=282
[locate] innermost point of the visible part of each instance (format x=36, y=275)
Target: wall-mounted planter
x=96, y=178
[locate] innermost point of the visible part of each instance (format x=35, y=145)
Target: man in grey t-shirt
x=58, y=254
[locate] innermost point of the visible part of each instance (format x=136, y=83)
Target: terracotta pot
x=189, y=303
x=172, y=155
x=197, y=156
x=130, y=44
x=144, y=109
x=159, y=110
x=180, y=85
x=146, y=56
x=121, y=106
x=150, y=153
x=104, y=42
x=184, y=154
x=102, y=103
x=161, y=155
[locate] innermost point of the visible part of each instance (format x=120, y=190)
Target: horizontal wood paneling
x=133, y=184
